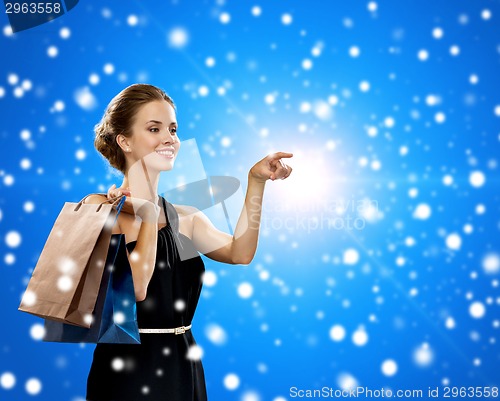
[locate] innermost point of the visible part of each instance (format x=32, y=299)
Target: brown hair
x=119, y=118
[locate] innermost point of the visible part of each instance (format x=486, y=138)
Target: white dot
x=350, y=256
x=59, y=105
x=85, y=98
x=453, y=241
x=447, y=180
x=25, y=134
x=117, y=364
x=2, y=91
x=372, y=6
x=423, y=55
x=88, y=318
x=145, y=390
x=305, y=107
x=316, y=50
x=437, y=33
x=7, y=380
x=203, y=90
x=7, y=30
x=132, y=20
x=29, y=298
x=65, y=283
x=209, y=61
x=119, y=317
x=333, y=100
x=26, y=85
x=423, y=355
x=178, y=37
x=322, y=110
x=225, y=141
x=25, y=164
x=486, y=14
x=432, y=100
x=307, y=64
x=231, y=381
x=376, y=165
x=94, y=79
x=52, y=51
x=12, y=79
x=389, y=367
x=364, y=86
x=473, y=79
x=450, y=323
x=491, y=263
x=422, y=211
x=468, y=229
x=454, y=50
x=80, y=154
x=13, y=239
x=354, y=51
x=37, y=331
x=372, y=131
x=224, y=18
x=209, y=278
x=195, y=352
x=9, y=259
x=33, y=386
x=477, y=179
x=180, y=305
x=216, y=334
x=477, y=310
x=245, y=290
x=286, y=19
x=108, y=68
x=269, y=98
x=64, y=33
x=256, y=11
x=360, y=337
x=440, y=117
x=18, y=92
x=8, y=180
x=337, y=332
x=497, y=110
x=389, y=122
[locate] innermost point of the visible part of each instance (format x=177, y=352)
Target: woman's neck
x=139, y=187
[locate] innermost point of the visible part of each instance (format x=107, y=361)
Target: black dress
x=158, y=369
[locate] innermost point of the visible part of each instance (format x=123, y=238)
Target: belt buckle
x=180, y=330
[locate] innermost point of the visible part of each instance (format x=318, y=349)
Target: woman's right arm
x=143, y=258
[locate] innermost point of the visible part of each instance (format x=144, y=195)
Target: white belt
x=176, y=330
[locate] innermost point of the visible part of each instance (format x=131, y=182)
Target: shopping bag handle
x=119, y=204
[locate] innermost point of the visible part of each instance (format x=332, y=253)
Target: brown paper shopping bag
x=67, y=276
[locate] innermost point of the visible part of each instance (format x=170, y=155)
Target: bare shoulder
x=95, y=199
x=186, y=211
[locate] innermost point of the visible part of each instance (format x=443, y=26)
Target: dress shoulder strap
x=172, y=215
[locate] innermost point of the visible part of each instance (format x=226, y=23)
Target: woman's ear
x=123, y=142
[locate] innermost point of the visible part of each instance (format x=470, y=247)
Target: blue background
x=409, y=286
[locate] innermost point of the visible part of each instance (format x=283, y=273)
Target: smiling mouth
x=169, y=154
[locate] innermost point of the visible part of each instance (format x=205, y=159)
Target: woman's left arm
x=240, y=248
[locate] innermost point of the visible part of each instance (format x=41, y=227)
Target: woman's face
x=154, y=136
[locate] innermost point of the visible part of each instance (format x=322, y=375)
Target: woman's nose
x=169, y=137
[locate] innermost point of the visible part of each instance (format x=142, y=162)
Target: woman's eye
x=173, y=131
x=154, y=130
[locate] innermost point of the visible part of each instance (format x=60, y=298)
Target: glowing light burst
x=310, y=180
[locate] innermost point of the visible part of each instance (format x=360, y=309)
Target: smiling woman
x=138, y=136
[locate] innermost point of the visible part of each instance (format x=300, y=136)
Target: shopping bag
x=115, y=315
x=67, y=276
